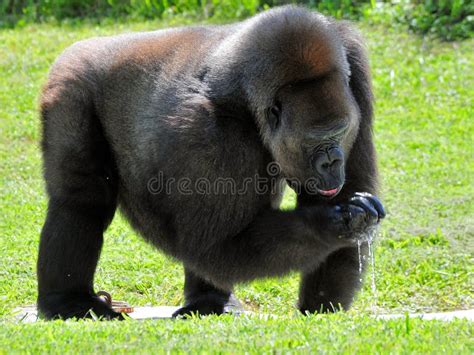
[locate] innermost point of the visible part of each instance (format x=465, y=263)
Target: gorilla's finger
x=375, y=202
x=351, y=212
x=366, y=205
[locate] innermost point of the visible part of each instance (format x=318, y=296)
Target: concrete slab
x=446, y=316
x=29, y=314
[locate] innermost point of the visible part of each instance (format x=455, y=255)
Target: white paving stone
x=29, y=314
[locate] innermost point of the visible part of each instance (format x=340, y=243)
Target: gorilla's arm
x=277, y=242
x=334, y=283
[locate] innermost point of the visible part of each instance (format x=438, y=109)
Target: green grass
x=424, y=256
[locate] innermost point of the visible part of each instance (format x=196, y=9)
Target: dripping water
x=370, y=244
x=359, y=243
x=369, y=238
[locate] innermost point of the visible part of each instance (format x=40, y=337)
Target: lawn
x=424, y=254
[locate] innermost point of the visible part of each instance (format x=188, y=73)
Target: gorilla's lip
x=330, y=193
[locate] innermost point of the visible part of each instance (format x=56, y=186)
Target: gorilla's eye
x=273, y=115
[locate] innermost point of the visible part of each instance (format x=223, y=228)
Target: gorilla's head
x=291, y=66
x=311, y=126
x=296, y=79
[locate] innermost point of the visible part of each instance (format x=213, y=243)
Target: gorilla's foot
x=66, y=306
x=210, y=303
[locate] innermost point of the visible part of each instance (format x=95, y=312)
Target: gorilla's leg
x=70, y=245
x=82, y=191
x=334, y=283
x=204, y=298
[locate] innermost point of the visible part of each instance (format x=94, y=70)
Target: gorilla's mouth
x=330, y=193
x=312, y=189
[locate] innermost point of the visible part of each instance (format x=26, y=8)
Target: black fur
x=121, y=115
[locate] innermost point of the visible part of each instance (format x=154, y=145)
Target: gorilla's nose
x=329, y=161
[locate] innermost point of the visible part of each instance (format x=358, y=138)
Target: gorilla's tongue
x=328, y=192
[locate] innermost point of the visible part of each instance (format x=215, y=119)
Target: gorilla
x=124, y=115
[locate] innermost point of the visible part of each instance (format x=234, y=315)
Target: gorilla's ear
x=360, y=80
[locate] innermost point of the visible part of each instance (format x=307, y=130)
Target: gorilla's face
x=314, y=123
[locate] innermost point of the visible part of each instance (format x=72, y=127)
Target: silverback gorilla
x=288, y=87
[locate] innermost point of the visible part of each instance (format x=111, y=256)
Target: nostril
x=322, y=165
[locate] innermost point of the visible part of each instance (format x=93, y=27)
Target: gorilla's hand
x=355, y=218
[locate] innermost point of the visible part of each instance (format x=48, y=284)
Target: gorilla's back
x=157, y=116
